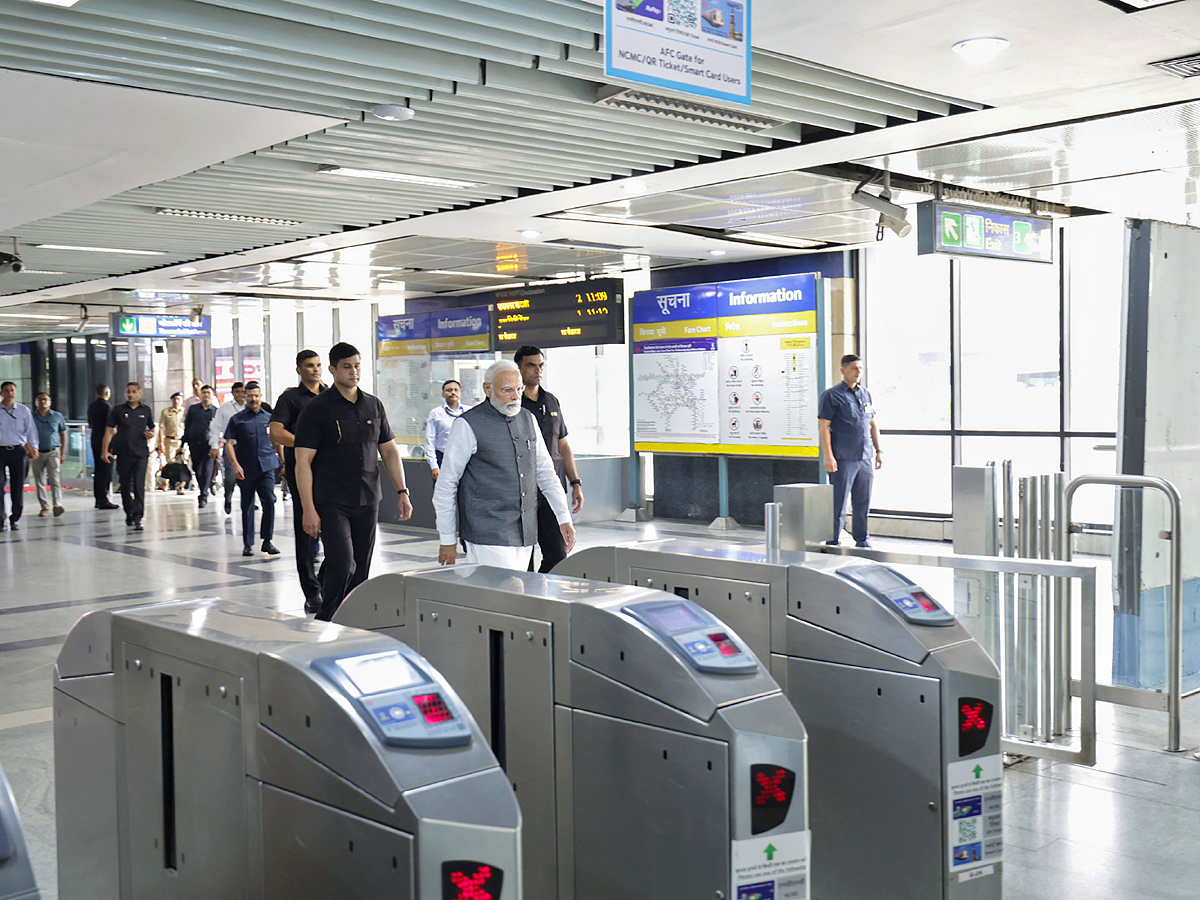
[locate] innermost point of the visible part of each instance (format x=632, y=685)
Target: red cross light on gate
x=974, y=724
x=771, y=789
x=467, y=880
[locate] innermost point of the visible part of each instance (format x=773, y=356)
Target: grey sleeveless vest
x=497, y=494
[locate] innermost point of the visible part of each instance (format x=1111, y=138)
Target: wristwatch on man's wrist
x=576, y=483
x=401, y=490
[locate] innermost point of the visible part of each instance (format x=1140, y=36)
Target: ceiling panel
x=504, y=95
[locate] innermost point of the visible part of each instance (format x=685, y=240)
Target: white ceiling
x=1068, y=59
x=65, y=144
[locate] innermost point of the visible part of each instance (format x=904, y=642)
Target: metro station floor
x=1126, y=828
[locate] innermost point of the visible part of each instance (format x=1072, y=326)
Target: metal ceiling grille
x=504, y=93
x=796, y=205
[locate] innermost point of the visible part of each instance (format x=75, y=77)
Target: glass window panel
x=1096, y=245
x=1093, y=504
x=585, y=380
x=908, y=335
x=318, y=330
x=282, y=374
x=1009, y=354
x=915, y=476
x=356, y=326
x=1029, y=455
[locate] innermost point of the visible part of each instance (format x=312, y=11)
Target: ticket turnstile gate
x=898, y=700
x=653, y=756
x=208, y=749
x=16, y=872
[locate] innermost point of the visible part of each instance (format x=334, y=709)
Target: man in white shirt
x=437, y=426
x=216, y=438
x=493, y=465
x=18, y=443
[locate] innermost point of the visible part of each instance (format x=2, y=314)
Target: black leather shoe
x=137, y=525
x=12, y=524
x=228, y=505
x=313, y=606
x=129, y=520
x=247, y=551
x=107, y=506
x=270, y=549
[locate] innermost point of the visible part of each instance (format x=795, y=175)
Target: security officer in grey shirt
x=846, y=419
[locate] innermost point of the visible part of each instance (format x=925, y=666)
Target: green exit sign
x=972, y=231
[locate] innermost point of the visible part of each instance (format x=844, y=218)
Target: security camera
x=10, y=262
x=891, y=215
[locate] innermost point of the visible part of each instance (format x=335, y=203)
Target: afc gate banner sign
x=693, y=46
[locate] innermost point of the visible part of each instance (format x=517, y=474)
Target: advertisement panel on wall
x=727, y=368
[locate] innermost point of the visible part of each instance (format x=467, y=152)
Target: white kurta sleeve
x=460, y=447
x=551, y=487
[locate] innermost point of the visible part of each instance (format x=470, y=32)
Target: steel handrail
x=1175, y=607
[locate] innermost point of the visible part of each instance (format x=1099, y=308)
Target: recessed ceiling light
x=979, y=50
x=40, y=272
x=529, y=233
x=188, y=270
x=63, y=3
x=634, y=187
x=393, y=112
x=228, y=217
x=397, y=176
x=100, y=249
x=717, y=252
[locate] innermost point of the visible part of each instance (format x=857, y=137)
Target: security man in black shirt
x=97, y=415
x=340, y=436
x=548, y=413
x=130, y=426
x=283, y=432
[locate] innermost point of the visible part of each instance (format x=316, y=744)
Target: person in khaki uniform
x=170, y=436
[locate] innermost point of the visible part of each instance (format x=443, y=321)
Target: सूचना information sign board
x=697, y=47
x=727, y=368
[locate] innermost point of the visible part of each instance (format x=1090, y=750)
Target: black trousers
x=101, y=476
x=228, y=475
x=261, y=485
x=202, y=465
x=348, y=533
x=550, y=538
x=12, y=471
x=306, y=548
x=131, y=471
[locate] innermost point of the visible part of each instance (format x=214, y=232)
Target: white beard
x=506, y=409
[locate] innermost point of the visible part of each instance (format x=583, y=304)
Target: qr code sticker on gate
x=682, y=13
x=968, y=830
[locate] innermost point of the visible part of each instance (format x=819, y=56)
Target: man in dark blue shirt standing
x=849, y=447
x=248, y=443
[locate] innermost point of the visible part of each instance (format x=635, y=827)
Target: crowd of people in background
x=504, y=475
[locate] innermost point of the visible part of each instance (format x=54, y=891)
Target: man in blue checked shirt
x=52, y=448
x=254, y=460
x=18, y=442
x=849, y=447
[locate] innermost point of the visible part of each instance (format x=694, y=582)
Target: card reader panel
x=907, y=598
x=695, y=634
x=402, y=704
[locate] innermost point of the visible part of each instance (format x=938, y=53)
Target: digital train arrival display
x=575, y=314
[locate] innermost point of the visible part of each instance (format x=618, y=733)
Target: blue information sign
x=970, y=231
x=135, y=325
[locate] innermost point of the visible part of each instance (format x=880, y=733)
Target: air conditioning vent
x=1183, y=67
x=685, y=110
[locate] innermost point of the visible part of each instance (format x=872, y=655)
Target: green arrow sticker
x=978, y=770
x=1022, y=237
x=128, y=325
x=951, y=229
x=770, y=851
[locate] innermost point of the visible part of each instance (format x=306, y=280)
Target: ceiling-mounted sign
x=574, y=314
x=403, y=335
x=694, y=46
x=132, y=325
x=460, y=330
x=970, y=231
